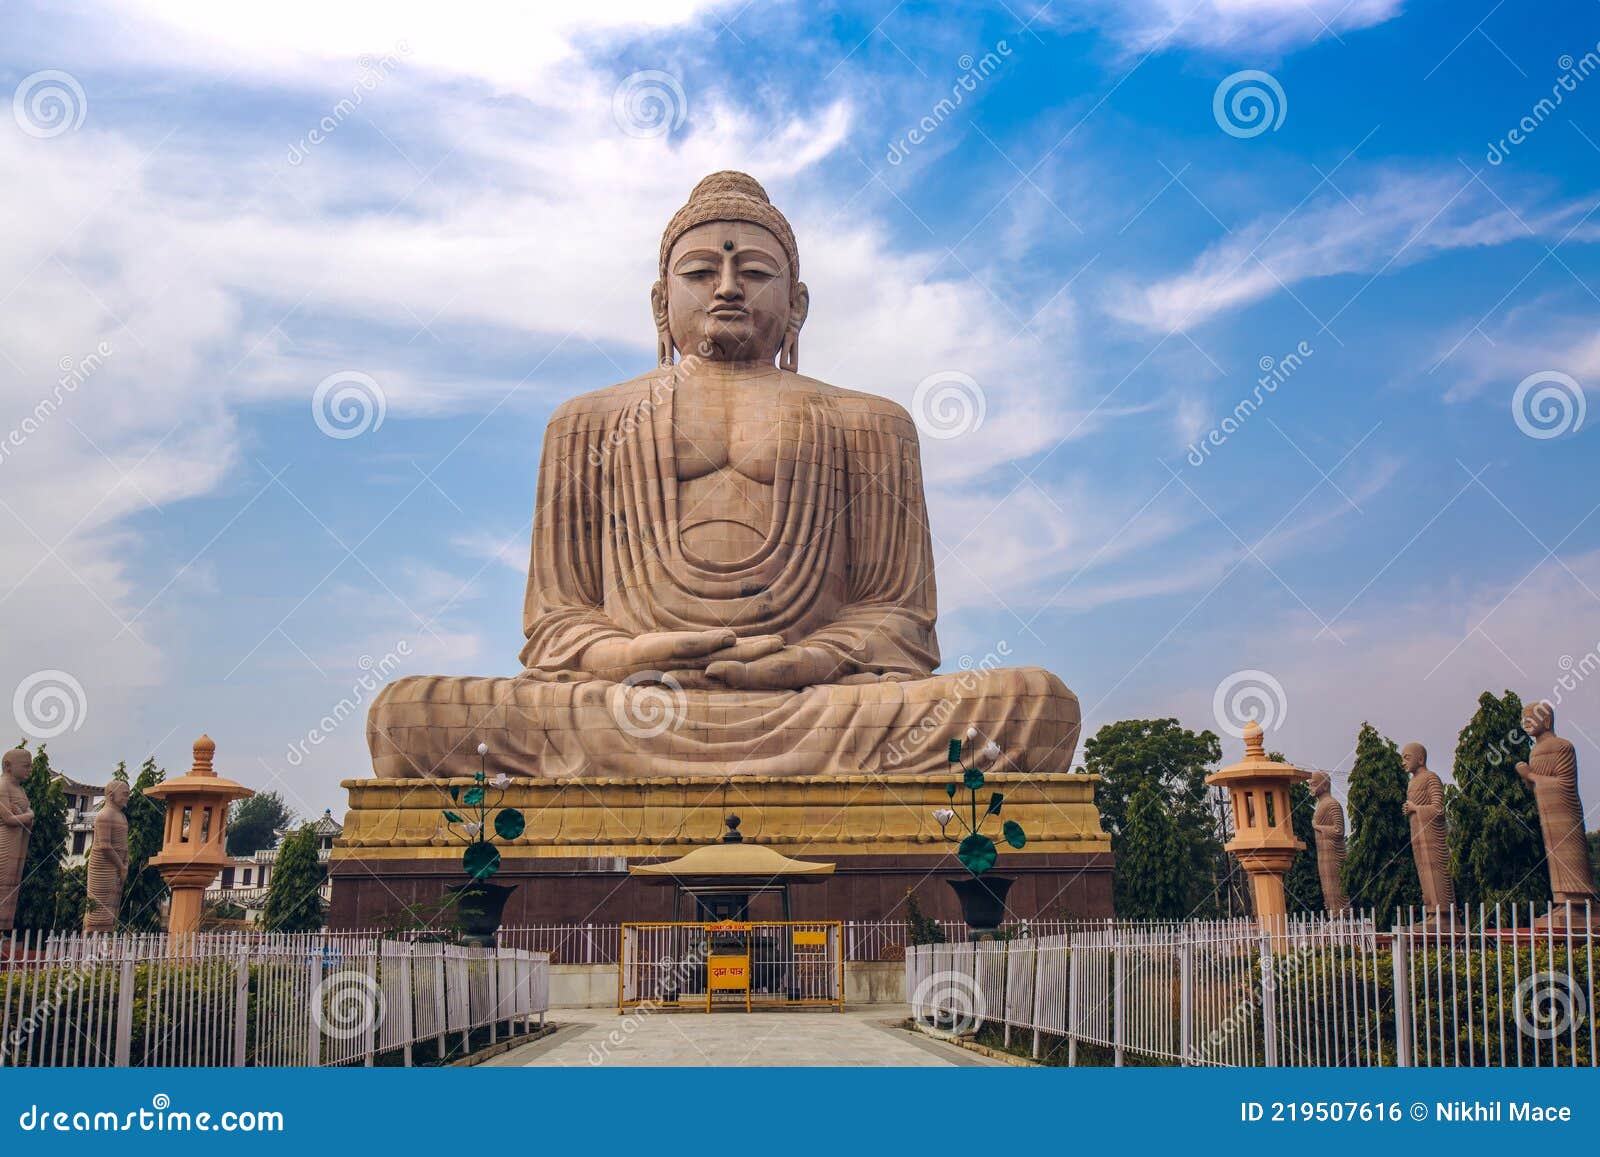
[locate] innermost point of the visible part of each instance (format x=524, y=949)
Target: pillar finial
x=205, y=750
x=1254, y=745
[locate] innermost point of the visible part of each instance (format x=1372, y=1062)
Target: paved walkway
x=857, y=1037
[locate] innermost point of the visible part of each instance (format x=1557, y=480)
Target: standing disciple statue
x=1552, y=772
x=1430, y=845
x=16, y=827
x=108, y=861
x=1328, y=824
x=731, y=570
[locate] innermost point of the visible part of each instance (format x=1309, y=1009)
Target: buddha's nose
x=728, y=285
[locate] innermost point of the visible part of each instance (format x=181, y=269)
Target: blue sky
x=1080, y=243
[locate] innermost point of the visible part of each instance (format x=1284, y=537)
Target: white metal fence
x=1484, y=986
x=227, y=999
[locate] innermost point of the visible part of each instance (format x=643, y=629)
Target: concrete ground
x=867, y=1036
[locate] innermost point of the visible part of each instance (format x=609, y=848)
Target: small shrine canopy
x=732, y=870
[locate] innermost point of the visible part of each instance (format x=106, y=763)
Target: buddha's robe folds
x=1430, y=843
x=846, y=565
x=1553, y=765
x=1327, y=823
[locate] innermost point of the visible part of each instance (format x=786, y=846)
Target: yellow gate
x=731, y=964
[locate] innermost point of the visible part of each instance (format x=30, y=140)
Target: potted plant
x=982, y=896
x=479, y=903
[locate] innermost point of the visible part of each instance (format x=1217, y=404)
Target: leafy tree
x=293, y=902
x=145, y=889
x=254, y=823
x=1379, y=872
x=920, y=927
x=72, y=897
x=1154, y=876
x=1171, y=762
x=1496, y=849
x=41, y=872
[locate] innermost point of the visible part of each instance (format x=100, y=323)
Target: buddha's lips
x=726, y=312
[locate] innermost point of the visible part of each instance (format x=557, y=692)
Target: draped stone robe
x=846, y=565
x=1430, y=845
x=1327, y=823
x=1553, y=768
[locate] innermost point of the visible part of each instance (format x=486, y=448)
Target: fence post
x=408, y=1028
x=438, y=996
x=1072, y=1003
x=1269, y=1005
x=125, y=1008
x=1118, y=1009
x=1034, y=1019
x=370, y=1035
x=1185, y=1001
x=241, y=1004
x=1401, y=951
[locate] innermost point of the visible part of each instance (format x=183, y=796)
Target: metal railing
x=1484, y=986
x=241, y=998
x=745, y=964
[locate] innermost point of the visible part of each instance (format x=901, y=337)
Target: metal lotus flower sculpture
x=481, y=860
x=976, y=850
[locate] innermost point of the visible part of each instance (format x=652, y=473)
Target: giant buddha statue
x=732, y=572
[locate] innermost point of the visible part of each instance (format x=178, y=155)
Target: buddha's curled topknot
x=730, y=196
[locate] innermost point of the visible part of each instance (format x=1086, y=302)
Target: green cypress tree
x=72, y=897
x=41, y=872
x=1379, y=872
x=145, y=889
x=1154, y=879
x=293, y=902
x=1496, y=848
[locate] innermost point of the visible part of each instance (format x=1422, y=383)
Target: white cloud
x=1397, y=220
x=1234, y=26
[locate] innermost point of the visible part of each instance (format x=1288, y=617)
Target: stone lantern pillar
x=1263, y=828
x=193, y=845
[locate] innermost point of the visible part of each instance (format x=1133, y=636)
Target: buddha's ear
x=658, y=311
x=799, y=307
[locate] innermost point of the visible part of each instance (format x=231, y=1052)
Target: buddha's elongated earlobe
x=799, y=306
x=658, y=310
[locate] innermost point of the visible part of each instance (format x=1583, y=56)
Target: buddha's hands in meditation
x=686, y=655
x=787, y=669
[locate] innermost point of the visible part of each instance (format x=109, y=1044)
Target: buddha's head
x=1320, y=783
x=117, y=794
x=17, y=763
x=730, y=288
x=1537, y=718
x=1413, y=757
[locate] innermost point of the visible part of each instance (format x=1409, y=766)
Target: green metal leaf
x=509, y=824
x=972, y=780
x=481, y=860
x=950, y=790
x=1013, y=833
x=955, y=751
x=977, y=853
x=455, y=792
x=453, y=818
x=473, y=797
x=995, y=800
